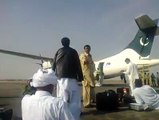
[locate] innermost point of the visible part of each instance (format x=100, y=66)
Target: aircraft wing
x=25, y=55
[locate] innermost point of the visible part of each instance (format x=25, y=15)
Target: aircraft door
x=101, y=73
x=100, y=67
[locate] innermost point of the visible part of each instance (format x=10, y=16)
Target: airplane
x=138, y=51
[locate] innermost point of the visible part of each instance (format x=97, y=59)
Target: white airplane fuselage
x=113, y=65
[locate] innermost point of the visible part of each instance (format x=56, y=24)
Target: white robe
x=43, y=106
x=69, y=91
x=132, y=73
x=147, y=95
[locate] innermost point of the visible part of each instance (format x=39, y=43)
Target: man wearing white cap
x=42, y=105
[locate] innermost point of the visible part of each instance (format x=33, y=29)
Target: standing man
x=42, y=105
x=132, y=73
x=68, y=70
x=88, y=69
x=153, y=80
x=145, y=79
x=157, y=78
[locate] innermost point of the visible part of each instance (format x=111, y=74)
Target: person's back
x=153, y=79
x=42, y=106
x=146, y=95
x=66, y=57
x=132, y=73
x=68, y=70
x=67, y=63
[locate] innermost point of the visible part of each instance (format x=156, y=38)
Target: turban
x=43, y=78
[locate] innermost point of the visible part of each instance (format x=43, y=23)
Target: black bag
x=107, y=101
x=5, y=113
x=121, y=92
x=128, y=99
x=124, y=96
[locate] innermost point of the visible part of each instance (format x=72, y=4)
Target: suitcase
x=107, y=101
x=5, y=113
x=135, y=106
x=140, y=107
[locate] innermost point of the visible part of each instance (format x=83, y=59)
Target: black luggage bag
x=121, y=92
x=124, y=96
x=107, y=101
x=5, y=113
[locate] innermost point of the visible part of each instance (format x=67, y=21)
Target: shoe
x=81, y=113
x=98, y=85
x=93, y=101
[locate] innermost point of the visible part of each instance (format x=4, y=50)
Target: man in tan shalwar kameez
x=88, y=83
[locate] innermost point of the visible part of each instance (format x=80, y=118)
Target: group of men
x=68, y=69
x=150, y=79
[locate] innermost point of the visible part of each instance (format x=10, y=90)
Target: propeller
x=40, y=64
x=45, y=64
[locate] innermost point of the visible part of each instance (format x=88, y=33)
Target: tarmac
x=11, y=93
x=123, y=112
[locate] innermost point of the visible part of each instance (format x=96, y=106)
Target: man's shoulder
x=136, y=90
x=142, y=87
x=82, y=54
x=146, y=86
x=56, y=101
x=26, y=97
x=74, y=50
x=70, y=49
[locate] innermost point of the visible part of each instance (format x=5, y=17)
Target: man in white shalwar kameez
x=132, y=73
x=42, y=105
x=146, y=95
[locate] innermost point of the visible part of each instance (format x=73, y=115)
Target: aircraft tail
x=144, y=38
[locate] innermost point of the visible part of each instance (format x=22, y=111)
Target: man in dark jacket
x=68, y=70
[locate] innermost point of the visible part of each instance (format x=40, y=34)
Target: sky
x=37, y=27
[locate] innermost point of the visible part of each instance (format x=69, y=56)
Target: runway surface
x=123, y=113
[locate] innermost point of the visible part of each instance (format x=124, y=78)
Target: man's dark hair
x=138, y=83
x=65, y=41
x=87, y=46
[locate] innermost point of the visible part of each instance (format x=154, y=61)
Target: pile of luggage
x=5, y=113
x=110, y=100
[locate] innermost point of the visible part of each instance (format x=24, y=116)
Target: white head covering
x=43, y=78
